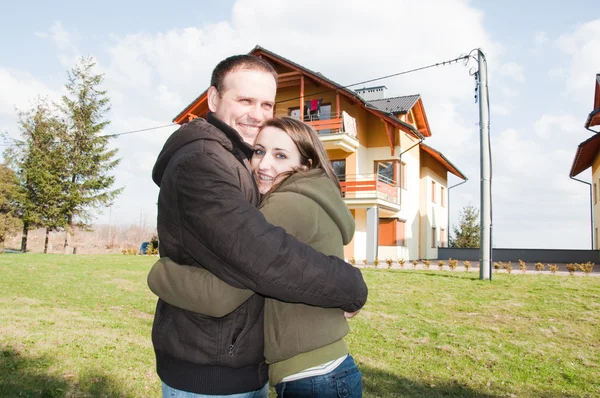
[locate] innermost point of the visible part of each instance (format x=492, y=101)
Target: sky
x=157, y=57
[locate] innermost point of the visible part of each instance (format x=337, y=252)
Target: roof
x=316, y=75
x=443, y=160
x=594, y=117
x=585, y=155
x=396, y=105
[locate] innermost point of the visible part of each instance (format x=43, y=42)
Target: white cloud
x=19, y=89
x=512, y=70
x=581, y=45
x=500, y=110
x=540, y=38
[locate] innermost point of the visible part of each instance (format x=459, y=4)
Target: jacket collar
x=232, y=134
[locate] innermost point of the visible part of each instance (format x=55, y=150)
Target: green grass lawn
x=79, y=326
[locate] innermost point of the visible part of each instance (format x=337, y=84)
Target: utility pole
x=485, y=244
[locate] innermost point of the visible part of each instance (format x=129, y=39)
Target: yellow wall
x=596, y=203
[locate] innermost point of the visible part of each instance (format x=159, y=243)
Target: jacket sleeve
x=228, y=236
x=194, y=289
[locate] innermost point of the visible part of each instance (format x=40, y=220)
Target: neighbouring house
x=588, y=154
x=395, y=186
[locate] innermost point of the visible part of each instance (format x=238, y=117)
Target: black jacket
x=207, y=217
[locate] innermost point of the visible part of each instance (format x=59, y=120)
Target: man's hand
x=349, y=315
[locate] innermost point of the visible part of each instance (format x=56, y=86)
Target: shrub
x=467, y=265
x=523, y=266
x=441, y=264
x=508, y=267
x=572, y=267
x=539, y=266
x=427, y=263
x=401, y=262
x=376, y=262
x=497, y=265
x=389, y=262
x=353, y=261
x=587, y=268
x=553, y=268
x=365, y=261
x=452, y=263
x=414, y=263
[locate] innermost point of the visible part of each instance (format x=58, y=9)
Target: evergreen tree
x=88, y=184
x=9, y=195
x=40, y=163
x=467, y=234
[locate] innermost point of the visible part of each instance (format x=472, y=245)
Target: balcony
x=367, y=190
x=332, y=135
x=330, y=127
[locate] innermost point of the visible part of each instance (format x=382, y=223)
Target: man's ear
x=213, y=98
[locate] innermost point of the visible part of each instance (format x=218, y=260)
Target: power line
x=139, y=131
x=444, y=63
x=15, y=143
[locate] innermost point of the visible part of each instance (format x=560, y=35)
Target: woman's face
x=274, y=153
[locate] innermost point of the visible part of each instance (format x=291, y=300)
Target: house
x=395, y=186
x=588, y=154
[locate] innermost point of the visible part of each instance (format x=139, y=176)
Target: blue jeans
x=345, y=381
x=170, y=392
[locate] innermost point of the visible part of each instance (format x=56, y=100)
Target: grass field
x=79, y=326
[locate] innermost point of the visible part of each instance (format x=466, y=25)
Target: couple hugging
x=252, y=225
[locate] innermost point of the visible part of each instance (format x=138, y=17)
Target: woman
x=304, y=345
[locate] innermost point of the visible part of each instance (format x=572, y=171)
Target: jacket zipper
x=239, y=336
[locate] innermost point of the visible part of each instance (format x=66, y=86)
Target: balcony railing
x=370, y=186
x=326, y=123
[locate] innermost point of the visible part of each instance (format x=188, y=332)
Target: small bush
x=572, y=267
x=376, y=262
x=453, y=264
x=365, y=261
x=414, y=263
x=553, y=268
x=523, y=266
x=497, y=266
x=539, y=266
x=441, y=264
x=467, y=265
x=353, y=261
x=427, y=263
x=389, y=262
x=508, y=267
x=130, y=251
x=401, y=262
x=587, y=268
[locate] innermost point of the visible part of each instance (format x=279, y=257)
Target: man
x=207, y=217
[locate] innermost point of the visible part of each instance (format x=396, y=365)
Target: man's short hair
x=235, y=63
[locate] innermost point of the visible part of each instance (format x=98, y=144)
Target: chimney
x=372, y=93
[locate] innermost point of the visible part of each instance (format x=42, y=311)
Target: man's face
x=246, y=102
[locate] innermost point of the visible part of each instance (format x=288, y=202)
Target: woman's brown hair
x=312, y=152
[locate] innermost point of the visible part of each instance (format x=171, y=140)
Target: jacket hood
x=317, y=186
x=211, y=129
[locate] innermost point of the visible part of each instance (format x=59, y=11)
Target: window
x=387, y=171
x=391, y=232
x=442, y=237
x=403, y=175
x=433, y=237
x=339, y=168
x=433, y=191
x=442, y=196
